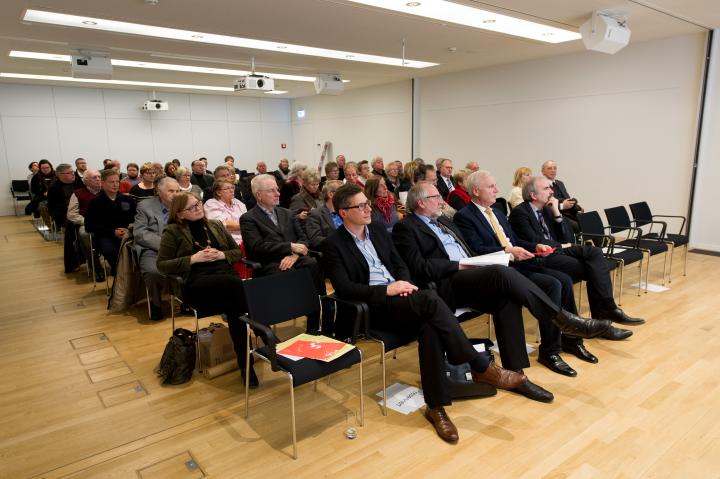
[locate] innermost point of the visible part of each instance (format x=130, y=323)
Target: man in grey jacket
x=150, y=220
x=324, y=220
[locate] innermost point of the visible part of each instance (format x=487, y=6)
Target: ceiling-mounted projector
x=156, y=105
x=605, y=33
x=254, y=82
x=329, y=84
x=91, y=65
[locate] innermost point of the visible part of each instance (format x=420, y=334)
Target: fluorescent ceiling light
x=114, y=82
x=275, y=92
x=162, y=66
x=474, y=17
x=200, y=37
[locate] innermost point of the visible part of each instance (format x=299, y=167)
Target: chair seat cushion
x=629, y=256
x=307, y=370
x=655, y=247
x=392, y=339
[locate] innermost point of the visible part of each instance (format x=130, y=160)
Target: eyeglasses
x=361, y=206
x=433, y=196
x=194, y=207
x=274, y=190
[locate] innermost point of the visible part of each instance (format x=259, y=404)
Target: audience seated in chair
x=39, y=184
x=145, y=188
x=292, y=184
x=382, y=201
x=150, y=220
x=199, y=176
x=77, y=208
x=108, y=217
x=225, y=207
x=568, y=205
x=324, y=220
x=308, y=198
x=458, y=198
x=363, y=265
x=240, y=191
x=522, y=175
x=58, y=198
x=274, y=238
x=202, y=252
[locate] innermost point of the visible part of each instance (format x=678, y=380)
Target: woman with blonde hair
x=522, y=176
x=146, y=187
x=459, y=198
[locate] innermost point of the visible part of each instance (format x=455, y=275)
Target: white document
x=653, y=288
x=499, y=257
x=403, y=398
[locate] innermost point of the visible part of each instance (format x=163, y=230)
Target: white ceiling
x=334, y=24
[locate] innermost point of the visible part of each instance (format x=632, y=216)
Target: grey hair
x=416, y=193
x=220, y=168
x=258, y=180
x=296, y=168
x=162, y=182
x=530, y=187
x=542, y=167
x=62, y=167
x=473, y=181
x=439, y=162
x=88, y=174
x=330, y=186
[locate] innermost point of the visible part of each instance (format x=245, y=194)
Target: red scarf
x=386, y=206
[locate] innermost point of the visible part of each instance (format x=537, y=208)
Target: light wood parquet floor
x=79, y=398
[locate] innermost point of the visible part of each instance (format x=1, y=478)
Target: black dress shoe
x=100, y=276
x=578, y=349
x=156, y=313
x=616, y=334
x=533, y=391
x=442, y=423
x=254, y=382
x=573, y=325
x=556, y=364
x=617, y=315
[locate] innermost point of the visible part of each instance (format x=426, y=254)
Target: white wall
x=620, y=127
x=360, y=124
x=63, y=123
x=705, y=232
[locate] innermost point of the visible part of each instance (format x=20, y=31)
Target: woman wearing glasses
x=225, y=208
x=182, y=175
x=146, y=187
x=202, y=251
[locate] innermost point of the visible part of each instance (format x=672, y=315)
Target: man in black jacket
x=538, y=220
x=433, y=248
x=363, y=265
x=568, y=205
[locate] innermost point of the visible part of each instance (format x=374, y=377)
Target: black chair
x=619, y=221
x=643, y=216
x=501, y=204
x=593, y=230
x=299, y=298
x=20, y=191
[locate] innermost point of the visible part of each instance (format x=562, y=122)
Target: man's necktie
x=496, y=228
x=454, y=236
x=546, y=231
x=272, y=216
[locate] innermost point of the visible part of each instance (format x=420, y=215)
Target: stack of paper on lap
x=499, y=257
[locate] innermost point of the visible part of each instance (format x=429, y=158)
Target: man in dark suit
x=80, y=169
x=538, y=220
x=487, y=231
x=568, y=205
x=150, y=220
x=323, y=221
x=445, y=182
x=273, y=237
x=433, y=248
x=363, y=265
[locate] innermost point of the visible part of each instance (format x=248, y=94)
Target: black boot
x=573, y=325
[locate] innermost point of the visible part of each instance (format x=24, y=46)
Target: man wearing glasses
x=362, y=264
x=273, y=237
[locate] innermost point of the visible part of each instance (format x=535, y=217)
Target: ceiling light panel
x=25, y=76
x=200, y=37
x=162, y=66
x=474, y=17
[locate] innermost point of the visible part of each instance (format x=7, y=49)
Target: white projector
x=254, y=82
x=329, y=84
x=604, y=33
x=91, y=66
x=156, y=105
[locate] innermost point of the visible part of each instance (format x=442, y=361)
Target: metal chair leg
x=384, y=379
x=687, y=247
x=362, y=397
x=292, y=415
x=247, y=376
x=671, y=247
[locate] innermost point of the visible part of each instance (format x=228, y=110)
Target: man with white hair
x=274, y=238
x=568, y=205
x=150, y=220
x=473, y=166
x=378, y=166
x=77, y=207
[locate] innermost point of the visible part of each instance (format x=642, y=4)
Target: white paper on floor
x=529, y=348
x=403, y=398
x=653, y=288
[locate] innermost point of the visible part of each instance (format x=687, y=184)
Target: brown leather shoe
x=443, y=425
x=499, y=377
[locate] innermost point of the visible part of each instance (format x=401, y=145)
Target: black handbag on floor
x=458, y=381
x=178, y=360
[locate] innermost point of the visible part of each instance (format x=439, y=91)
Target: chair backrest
x=501, y=204
x=592, y=227
x=281, y=297
x=618, y=218
x=641, y=213
x=20, y=186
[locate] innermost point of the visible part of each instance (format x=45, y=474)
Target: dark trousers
x=503, y=292
x=438, y=333
x=218, y=294
x=109, y=248
x=153, y=279
x=313, y=320
x=587, y=263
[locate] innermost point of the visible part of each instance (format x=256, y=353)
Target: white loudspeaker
x=603, y=33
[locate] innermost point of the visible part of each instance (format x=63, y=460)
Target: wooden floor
x=78, y=397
